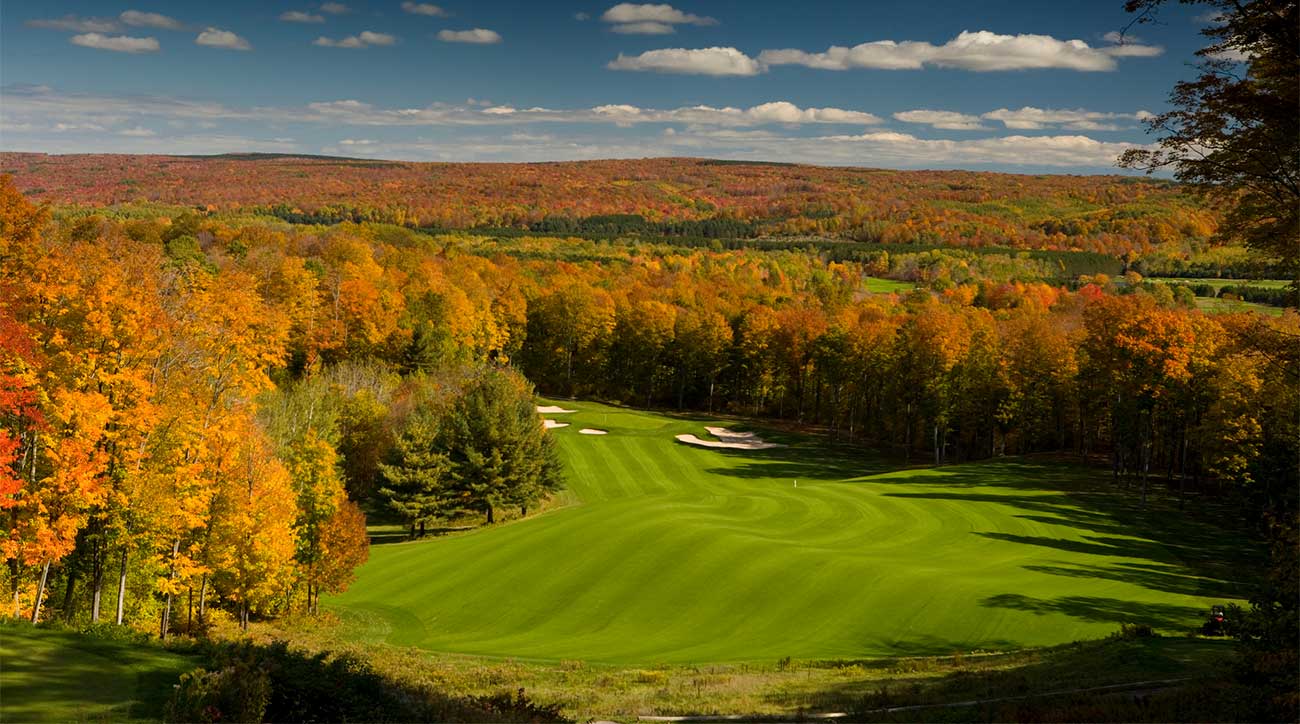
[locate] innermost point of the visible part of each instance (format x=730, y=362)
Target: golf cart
x=1216, y=624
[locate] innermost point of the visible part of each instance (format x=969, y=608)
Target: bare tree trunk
x=15, y=580
x=121, y=588
x=97, y=583
x=40, y=592
x=167, y=608
x=203, y=601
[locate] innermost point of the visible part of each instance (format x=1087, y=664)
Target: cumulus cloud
x=650, y=19
x=364, y=39
x=218, y=38
x=42, y=119
x=298, y=16
x=976, y=51
x=117, y=43
x=700, y=61
x=1031, y=118
x=947, y=120
x=76, y=24
x=150, y=20
x=480, y=36
x=432, y=11
x=335, y=8
x=644, y=28
x=1027, y=118
x=581, y=16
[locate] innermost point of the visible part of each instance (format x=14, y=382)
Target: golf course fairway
x=669, y=553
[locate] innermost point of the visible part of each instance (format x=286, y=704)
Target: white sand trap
x=592, y=431
x=552, y=424
x=728, y=439
x=552, y=410
x=726, y=435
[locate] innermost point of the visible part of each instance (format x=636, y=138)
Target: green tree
x=499, y=454
x=416, y=480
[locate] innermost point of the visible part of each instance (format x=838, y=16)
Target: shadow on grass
x=902, y=682
x=1094, y=609
x=1205, y=550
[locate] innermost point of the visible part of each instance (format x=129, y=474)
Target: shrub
x=1131, y=631
x=237, y=693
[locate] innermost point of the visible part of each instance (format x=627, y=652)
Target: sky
x=1037, y=87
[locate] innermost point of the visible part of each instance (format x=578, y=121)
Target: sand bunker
x=551, y=424
x=552, y=410
x=729, y=440
x=592, y=431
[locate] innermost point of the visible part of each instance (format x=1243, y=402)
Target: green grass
x=1218, y=305
x=1220, y=283
x=886, y=286
x=52, y=675
x=675, y=554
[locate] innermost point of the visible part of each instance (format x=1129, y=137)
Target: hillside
x=1110, y=214
x=803, y=549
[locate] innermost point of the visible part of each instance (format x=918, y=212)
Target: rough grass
x=587, y=691
x=50, y=675
x=673, y=554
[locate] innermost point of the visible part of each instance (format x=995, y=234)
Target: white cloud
x=581, y=16
x=372, y=38
x=1030, y=118
x=946, y=120
x=644, y=28
x=218, y=38
x=298, y=16
x=364, y=39
x=701, y=61
x=480, y=36
x=137, y=132
x=879, y=149
x=118, y=43
x=636, y=13
x=335, y=8
x=432, y=11
x=975, y=51
x=650, y=19
x=75, y=24
x=151, y=20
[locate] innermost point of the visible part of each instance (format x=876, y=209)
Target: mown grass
x=677, y=555
x=886, y=286
x=49, y=675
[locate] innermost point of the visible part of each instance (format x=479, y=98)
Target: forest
x=667, y=196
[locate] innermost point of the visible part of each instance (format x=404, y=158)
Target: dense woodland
x=684, y=197
x=194, y=405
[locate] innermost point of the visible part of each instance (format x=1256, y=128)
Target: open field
x=677, y=554
x=52, y=675
x=1218, y=305
x=1220, y=283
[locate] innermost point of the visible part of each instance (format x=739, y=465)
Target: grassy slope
x=48, y=675
x=679, y=554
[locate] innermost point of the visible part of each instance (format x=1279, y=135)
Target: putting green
x=680, y=554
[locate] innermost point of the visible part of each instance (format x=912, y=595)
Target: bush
x=249, y=682
x=237, y=693
x=1131, y=631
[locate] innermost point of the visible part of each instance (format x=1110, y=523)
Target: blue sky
x=1018, y=86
